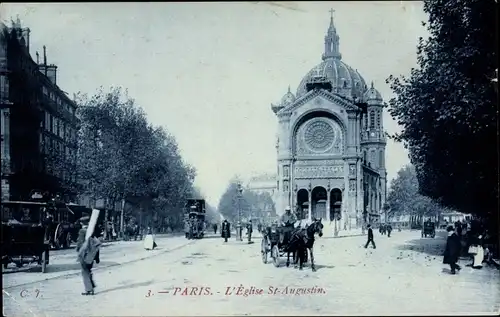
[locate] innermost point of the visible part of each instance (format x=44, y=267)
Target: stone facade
x=331, y=144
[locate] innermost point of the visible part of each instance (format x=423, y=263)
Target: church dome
x=344, y=80
x=373, y=94
x=287, y=98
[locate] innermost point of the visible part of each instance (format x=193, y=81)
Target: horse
x=304, y=240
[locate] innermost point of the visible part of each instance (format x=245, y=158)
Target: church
x=331, y=144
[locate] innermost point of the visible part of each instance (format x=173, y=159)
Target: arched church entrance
x=318, y=201
x=335, y=204
x=302, y=203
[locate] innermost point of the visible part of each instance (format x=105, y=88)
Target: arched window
x=372, y=119
x=365, y=159
x=381, y=158
x=372, y=158
x=378, y=120
x=365, y=124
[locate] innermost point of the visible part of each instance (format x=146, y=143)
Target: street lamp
x=239, y=229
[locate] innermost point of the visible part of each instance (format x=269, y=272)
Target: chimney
x=51, y=71
x=44, y=55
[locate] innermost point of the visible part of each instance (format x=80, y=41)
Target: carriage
x=429, y=228
x=271, y=244
x=24, y=235
x=194, y=218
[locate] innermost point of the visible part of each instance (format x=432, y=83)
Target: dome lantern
x=373, y=96
x=332, y=41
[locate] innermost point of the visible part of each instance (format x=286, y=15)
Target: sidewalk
x=112, y=254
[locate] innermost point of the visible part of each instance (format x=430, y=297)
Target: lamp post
x=239, y=229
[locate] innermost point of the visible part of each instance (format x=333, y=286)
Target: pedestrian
x=452, y=250
x=389, y=230
x=370, y=237
x=249, y=231
x=225, y=230
x=149, y=240
x=88, y=252
x=215, y=228
x=476, y=251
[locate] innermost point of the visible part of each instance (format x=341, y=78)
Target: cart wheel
x=45, y=260
x=275, y=254
x=263, y=251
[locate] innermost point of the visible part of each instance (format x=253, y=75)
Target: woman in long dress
x=149, y=240
x=477, y=252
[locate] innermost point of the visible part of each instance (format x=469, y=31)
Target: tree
x=228, y=203
x=404, y=197
x=124, y=158
x=251, y=204
x=447, y=107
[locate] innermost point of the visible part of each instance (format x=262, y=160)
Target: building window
x=365, y=123
x=278, y=185
x=40, y=140
x=61, y=129
x=4, y=87
x=372, y=158
x=372, y=119
x=381, y=158
x=45, y=91
x=365, y=158
x=378, y=120
x=286, y=171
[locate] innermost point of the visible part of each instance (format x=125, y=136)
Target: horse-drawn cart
x=429, y=228
x=271, y=244
x=23, y=234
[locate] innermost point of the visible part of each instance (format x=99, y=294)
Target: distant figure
x=259, y=227
x=149, y=240
x=239, y=229
x=249, y=231
x=452, y=250
x=389, y=230
x=225, y=230
x=88, y=252
x=215, y=228
x=370, y=237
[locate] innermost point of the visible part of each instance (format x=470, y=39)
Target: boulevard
x=404, y=275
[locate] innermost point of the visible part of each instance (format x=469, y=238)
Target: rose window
x=319, y=135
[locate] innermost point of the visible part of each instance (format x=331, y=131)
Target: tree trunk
x=122, y=211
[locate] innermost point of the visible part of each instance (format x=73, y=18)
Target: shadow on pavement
x=322, y=266
x=430, y=246
x=128, y=286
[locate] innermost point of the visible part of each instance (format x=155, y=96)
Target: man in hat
x=225, y=230
x=88, y=252
x=370, y=237
x=288, y=220
x=249, y=231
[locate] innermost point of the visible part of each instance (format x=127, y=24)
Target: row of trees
x=251, y=204
x=447, y=107
x=124, y=160
x=404, y=198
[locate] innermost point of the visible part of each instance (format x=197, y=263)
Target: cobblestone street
x=404, y=275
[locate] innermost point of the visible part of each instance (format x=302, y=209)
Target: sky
x=208, y=72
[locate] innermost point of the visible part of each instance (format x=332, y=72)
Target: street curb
x=340, y=237
x=103, y=267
